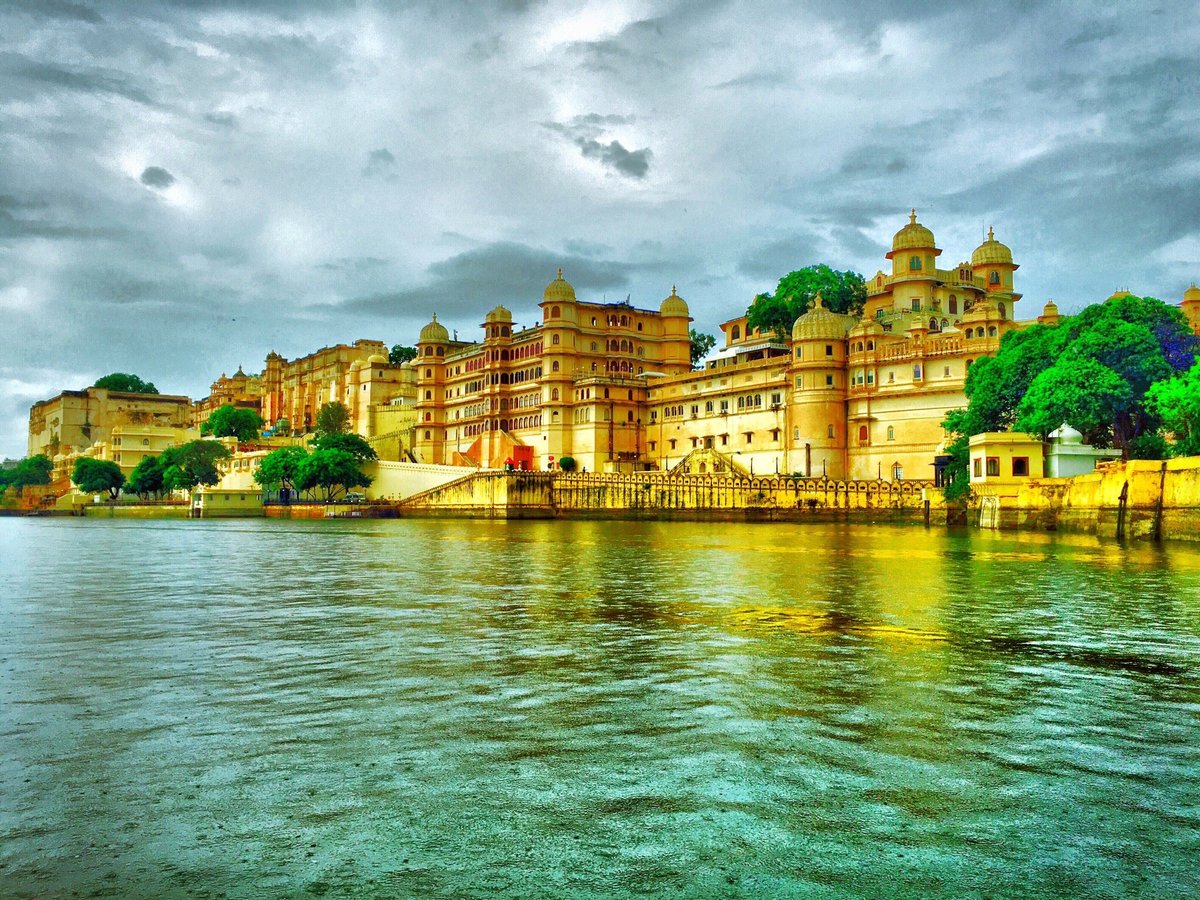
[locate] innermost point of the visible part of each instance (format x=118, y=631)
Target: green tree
x=146, y=477
x=121, y=381
x=95, y=476
x=566, y=463
x=231, y=421
x=1078, y=390
x=333, y=471
x=1176, y=402
x=958, y=472
x=351, y=443
x=192, y=464
x=31, y=470
x=280, y=468
x=400, y=354
x=843, y=292
x=702, y=345
x=333, y=418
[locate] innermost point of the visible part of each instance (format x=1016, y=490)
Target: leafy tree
x=120, y=381
x=1079, y=390
x=279, y=469
x=31, y=470
x=146, y=477
x=95, y=476
x=566, y=463
x=958, y=472
x=231, y=421
x=333, y=471
x=333, y=418
x=843, y=292
x=351, y=443
x=191, y=465
x=401, y=354
x=1177, y=403
x=702, y=345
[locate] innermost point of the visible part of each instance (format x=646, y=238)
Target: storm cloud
x=187, y=186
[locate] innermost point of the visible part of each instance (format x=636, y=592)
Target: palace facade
x=612, y=385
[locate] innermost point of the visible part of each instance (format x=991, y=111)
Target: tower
x=993, y=265
x=430, y=364
x=818, y=387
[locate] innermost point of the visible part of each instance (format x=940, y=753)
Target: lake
x=481, y=708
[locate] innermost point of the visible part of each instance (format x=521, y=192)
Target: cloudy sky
x=186, y=186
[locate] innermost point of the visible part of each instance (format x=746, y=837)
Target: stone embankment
x=1139, y=499
x=523, y=495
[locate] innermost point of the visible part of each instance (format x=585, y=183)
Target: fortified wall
x=1138, y=499
x=519, y=495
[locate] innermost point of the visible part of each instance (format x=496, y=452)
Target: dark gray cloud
x=29, y=78
x=156, y=177
x=466, y=285
x=584, y=132
x=381, y=164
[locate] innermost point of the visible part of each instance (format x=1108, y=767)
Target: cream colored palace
x=611, y=385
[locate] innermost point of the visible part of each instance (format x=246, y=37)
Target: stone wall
x=1139, y=499
x=657, y=495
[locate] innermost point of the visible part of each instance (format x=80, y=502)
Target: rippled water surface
x=399, y=708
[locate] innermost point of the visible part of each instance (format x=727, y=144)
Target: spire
x=673, y=294
x=991, y=234
x=818, y=301
x=912, y=216
x=560, y=273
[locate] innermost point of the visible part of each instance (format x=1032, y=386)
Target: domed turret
x=674, y=305
x=434, y=333
x=1065, y=434
x=913, y=236
x=1192, y=294
x=500, y=314
x=377, y=359
x=821, y=323
x=992, y=252
x=559, y=291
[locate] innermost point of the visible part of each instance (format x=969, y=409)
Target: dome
x=434, y=332
x=1050, y=309
x=559, y=290
x=377, y=359
x=674, y=305
x=991, y=252
x=1118, y=294
x=821, y=323
x=499, y=314
x=357, y=364
x=912, y=236
x=1192, y=294
x=1065, y=434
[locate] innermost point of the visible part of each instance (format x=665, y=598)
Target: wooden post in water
x=926, y=505
x=1121, y=503
x=1158, y=507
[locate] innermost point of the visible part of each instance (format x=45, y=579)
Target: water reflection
x=454, y=707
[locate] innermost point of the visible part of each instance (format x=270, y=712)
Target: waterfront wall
x=1138, y=499
x=663, y=496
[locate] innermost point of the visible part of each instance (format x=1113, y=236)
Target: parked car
x=356, y=497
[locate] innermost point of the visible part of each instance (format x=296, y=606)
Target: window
x=554, y=366
x=993, y=465
x=953, y=305
x=724, y=439
x=796, y=433
x=749, y=437
x=695, y=410
x=799, y=381
x=708, y=408
x=897, y=471
x=914, y=264
x=735, y=333
x=554, y=312
x=554, y=393
x=724, y=406
x=977, y=468
x=1003, y=310
x=891, y=433
x=829, y=432
x=991, y=331
x=554, y=340
x=828, y=381
x=916, y=373
x=994, y=278
x=862, y=433
x=1020, y=466
x=891, y=377
x=776, y=399
x=829, y=349
x=594, y=347
x=799, y=352
x=916, y=304
x=672, y=443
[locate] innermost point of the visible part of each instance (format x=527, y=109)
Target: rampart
x=663, y=496
x=1139, y=499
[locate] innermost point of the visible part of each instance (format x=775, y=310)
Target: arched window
x=862, y=433
x=994, y=278
x=554, y=312
x=897, y=471
x=829, y=431
x=870, y=345
x=735, y=333
x=429, y=395
x=914, y=264
x=595, y=347
x=991, y=331
x=879, y=313
x=945, y=323
x=891, y=433
x=553, y=393
x=428, y=417
x=858, y=347
x=554, y=340
x=953, y=305
x=933, y=324
x=1003, y=310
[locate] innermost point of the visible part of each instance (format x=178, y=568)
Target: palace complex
x=612, y=386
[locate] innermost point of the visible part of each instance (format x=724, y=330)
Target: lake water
x=469, y=708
